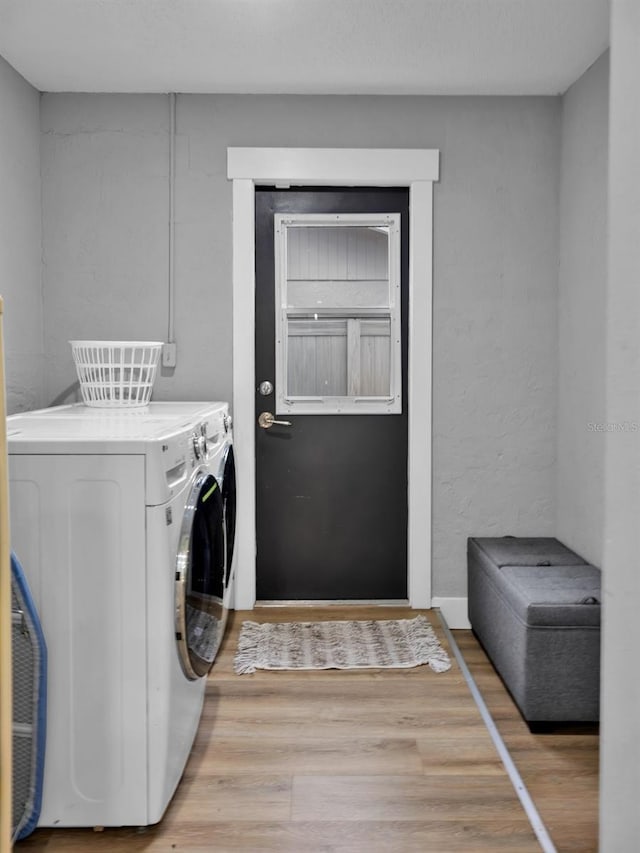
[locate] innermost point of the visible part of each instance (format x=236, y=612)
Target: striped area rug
x=371, y=644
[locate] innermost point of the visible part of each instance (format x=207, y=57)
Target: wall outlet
x=169, y=355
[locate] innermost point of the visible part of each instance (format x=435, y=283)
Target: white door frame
x=415, y=169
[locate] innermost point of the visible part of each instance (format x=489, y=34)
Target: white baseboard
x=454, y=611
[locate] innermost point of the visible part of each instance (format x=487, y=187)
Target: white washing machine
x=123, y=522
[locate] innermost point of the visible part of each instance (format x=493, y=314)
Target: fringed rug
x=373, y=644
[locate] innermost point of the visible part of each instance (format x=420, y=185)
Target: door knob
x=266, y=420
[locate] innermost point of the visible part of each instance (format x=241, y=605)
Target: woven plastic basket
x=116, y=374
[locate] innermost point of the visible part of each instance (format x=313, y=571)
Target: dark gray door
x=331, y=489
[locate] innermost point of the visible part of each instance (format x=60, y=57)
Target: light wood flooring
x=559, y=768
x=352, y=761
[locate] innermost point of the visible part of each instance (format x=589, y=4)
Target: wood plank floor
x=559, y=769
x=354, y=761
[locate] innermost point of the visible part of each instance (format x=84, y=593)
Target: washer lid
x=80, y=429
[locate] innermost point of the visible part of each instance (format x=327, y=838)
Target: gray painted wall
x=620, y=717
x=20, y=239
x=582, y=289
x=105, y=213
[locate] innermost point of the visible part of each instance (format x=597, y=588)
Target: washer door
x=200, y=615
x=229, y=503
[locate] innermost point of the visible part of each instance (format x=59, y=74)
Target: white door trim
x=416, y=169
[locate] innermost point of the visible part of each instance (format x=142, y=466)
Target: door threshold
x=336, y=602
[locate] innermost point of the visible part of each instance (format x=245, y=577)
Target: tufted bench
x=535, y=607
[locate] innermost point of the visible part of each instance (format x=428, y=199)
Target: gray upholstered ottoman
x=535, y=607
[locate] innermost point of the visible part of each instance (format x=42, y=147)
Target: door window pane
x=338, y=267
x=375, y=358
x=338, y=314
x=317, y=357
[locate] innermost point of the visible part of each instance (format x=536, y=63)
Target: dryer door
x=200, y=615
x=229, y=502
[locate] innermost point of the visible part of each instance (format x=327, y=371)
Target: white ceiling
x=501, y=47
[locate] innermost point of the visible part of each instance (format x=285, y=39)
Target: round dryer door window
x=200, y=614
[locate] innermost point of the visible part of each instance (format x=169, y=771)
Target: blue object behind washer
x=29, y=705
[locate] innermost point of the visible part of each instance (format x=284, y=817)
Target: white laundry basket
x=116, y=373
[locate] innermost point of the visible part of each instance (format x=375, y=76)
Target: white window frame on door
x=391, y=403
x=416, y=169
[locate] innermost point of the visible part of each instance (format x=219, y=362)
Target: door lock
x=265, y=388
x=266, y=420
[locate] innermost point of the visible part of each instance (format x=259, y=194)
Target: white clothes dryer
x=123, y=521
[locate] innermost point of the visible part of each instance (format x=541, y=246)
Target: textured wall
x=20, y=239
x=620, y=690
x=105, y=166
x=105, y=225
x=581, y=313
x=495, y=338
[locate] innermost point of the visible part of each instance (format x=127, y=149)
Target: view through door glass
x=331, y=319
x=337, y=313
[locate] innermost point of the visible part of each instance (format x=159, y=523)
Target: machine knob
x=197, y=447
x=203, y=439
